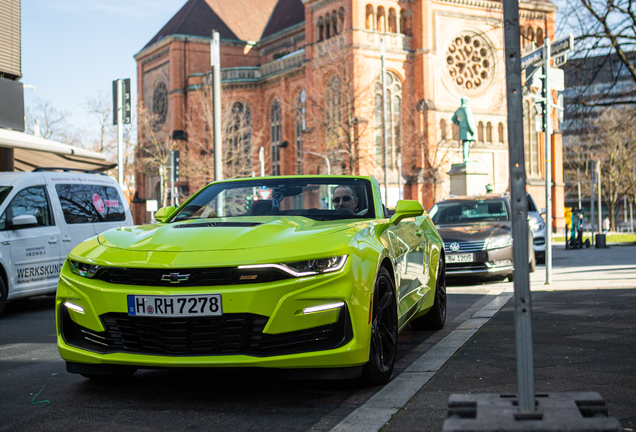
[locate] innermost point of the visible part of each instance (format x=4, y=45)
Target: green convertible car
x=302, y=272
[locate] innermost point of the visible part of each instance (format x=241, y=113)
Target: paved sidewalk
x=584, y=340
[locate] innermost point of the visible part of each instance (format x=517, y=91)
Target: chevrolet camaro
x=301, y=272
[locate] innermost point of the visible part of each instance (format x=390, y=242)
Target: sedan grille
x=230, y=334
x=214, y=276
x=469, y=246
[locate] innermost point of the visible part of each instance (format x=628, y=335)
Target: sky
x=72, y=49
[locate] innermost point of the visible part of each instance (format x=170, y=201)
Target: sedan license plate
x=459, y=258
x=175, y=306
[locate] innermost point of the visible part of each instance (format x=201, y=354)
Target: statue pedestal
x=469, y=178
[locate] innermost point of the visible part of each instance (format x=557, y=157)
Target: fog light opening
x=74, y=307
x=323, y=308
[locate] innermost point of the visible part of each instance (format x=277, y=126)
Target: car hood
x=473, y=232
x=221, y=234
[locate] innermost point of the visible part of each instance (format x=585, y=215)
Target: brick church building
x=301, y=85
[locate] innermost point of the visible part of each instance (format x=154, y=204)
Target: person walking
x=606, y=225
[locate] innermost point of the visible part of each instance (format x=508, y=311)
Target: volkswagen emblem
x=175, y=277
x=454, y=247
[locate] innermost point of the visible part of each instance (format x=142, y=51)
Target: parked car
x=45, y=214
x=278, y=272
x=477, y=234
x=538, y=227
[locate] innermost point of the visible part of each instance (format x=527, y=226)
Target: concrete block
x=572, y=412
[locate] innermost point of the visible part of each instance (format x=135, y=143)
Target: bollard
x=600, y=241
x=572, y=412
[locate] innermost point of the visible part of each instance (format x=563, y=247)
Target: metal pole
x=324, y=157
x=172, y=178
x=215, y=57
x=523, y=316
x=261, y=160
x=399, y=167
x=631, y=218
x=120, y=132
x=625, y=208
x=578, y=185
x=600, y=200
x=592, y=199
x=548, y=163
x=385, y=137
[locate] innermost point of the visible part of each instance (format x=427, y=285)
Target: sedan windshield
x=466, y=212
x=315, y=198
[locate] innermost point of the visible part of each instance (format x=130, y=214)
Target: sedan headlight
x=499, y=241
x=537, y=225
x=305, y=268
x=83, y=269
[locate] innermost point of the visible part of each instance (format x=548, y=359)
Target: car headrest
x=261, y=208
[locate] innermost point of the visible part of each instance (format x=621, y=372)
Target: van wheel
x=3, y=295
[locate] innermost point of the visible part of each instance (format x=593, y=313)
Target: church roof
x=244, y=20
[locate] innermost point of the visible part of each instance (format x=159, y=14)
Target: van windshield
x=4, y=193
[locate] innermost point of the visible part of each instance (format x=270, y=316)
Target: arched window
x=403, y=22
x=334, y=23
x=500, y=129
x=392, y=21
x=381, y=27
x=489, y=132
x=238, y=142
x=275, y=124
x=529, y=35
x=327, y=23
x=480, y=132
x=341, y=18
x=301, y=126
x=320, y=28
x=334, y=113
x=442, y=128
x=369, y=18
x=531, y=139
x=393, y=109
x=522, y=37
x=455, y=132
x=539, y=36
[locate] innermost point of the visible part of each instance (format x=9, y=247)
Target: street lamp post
x=324, y=157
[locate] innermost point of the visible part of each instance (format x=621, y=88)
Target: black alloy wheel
x=384, y=332
x=435, y=318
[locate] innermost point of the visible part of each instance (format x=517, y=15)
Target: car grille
x=451, y=267
x=469, y=246
x=539, y=241
x=230, y=334
x=195, y=276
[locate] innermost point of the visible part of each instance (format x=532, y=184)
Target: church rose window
x=159, y=105
x=470, y=62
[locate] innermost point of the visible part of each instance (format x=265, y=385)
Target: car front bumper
x=486, y=263
x=263, y=325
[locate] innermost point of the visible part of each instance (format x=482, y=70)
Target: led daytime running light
x=323, y=308
x=74, y=307
x=340, y=262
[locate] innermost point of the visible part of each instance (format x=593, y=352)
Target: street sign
x=534, y=58
x=126, y=102
x=562, y=45
x=557, y=79
x=151, y=205
x=175, y=165
x=561, y=60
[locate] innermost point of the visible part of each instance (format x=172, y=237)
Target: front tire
x=384, y=332
x=436, y=317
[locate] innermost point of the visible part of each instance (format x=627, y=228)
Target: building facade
x=302, y=80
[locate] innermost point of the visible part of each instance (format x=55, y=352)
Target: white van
x=43, y=215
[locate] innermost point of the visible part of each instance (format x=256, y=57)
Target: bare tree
x=52, y=122
x=99, y=107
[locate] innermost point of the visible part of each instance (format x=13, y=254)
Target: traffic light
x=175, y=164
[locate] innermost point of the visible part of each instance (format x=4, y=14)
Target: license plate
x=459, y=258
x=175, y=306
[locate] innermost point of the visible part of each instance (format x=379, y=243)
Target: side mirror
x=543, y=210
x=406, y=209
x=24, y=221
x=164, y=213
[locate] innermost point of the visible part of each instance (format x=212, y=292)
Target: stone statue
x=467, y=128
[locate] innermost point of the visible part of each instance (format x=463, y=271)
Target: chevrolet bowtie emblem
x=175, y=277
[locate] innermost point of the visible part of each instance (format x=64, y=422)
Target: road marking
x=379, y=409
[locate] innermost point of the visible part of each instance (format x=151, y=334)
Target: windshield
x=466, y=212
x=4, y=192
x=315, y=198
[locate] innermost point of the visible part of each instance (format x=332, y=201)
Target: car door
x=78, y=215
x=110, y=208
x=412, y=244
x=35, y=253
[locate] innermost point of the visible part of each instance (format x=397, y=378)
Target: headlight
x=83, y=269
x=537, y=226
x=499, y=241
x=305, y=268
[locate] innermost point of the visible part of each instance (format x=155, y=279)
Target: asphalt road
x=161, y=400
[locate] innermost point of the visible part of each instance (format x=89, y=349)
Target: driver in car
x=344, y=197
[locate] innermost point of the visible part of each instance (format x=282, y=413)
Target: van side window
x=31, y=201
x=90, y=203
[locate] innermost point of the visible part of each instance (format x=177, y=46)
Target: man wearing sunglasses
x=345, y=197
